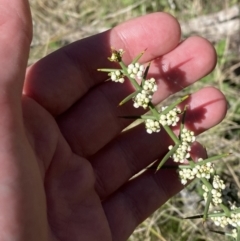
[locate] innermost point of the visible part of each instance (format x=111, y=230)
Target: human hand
x=65, y=163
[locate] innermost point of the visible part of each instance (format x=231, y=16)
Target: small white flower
x=183, y=151
x=204, y=170
x=234, y=233
x=218, y=183
x=135, y=70
x=223, y=221
x=117, y=76
x=186, y=174
x=145, y=96
x=187, y=135
x=171, y=118
x=218, y=187
x=181, y=154
x=152, y=126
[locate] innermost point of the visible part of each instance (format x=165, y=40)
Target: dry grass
x=57, y=23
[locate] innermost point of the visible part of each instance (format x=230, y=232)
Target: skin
x=65, y=165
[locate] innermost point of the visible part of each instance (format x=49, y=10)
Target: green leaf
x=211, y=159
x=165, y=158
x=226, y=210
x=108, y=70
x=174, y=104
x=135, y=60
x=171, y=134
x=125, y=100
x=145, y=117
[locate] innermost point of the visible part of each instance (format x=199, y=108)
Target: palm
x=73, y=203
x=76, y=181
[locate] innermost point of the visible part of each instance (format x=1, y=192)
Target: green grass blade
x=135, y=60
x=125, y=100
x=166, y=157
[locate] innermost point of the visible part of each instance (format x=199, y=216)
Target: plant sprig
x=226, y=214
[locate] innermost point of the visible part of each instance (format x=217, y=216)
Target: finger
x=134, y=150
x=133, y=203
x=60, y=79
x=22, y=200
x=141, y=196
x=15, y=39
x=190, y=61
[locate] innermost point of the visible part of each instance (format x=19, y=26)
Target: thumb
x=15, y=39
x=22, y=200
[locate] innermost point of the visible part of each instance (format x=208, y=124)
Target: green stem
x=238, y=234
x=211, y=159
x=221, y=214
x=207, y=184
x=138, y=57
x=172, y=134
x=145, y=117
x=192, y=164
x=153, y=110
x=209, y=199
x=225, y=210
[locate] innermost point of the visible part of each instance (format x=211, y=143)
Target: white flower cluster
x=204, y=171
x=220, y=221
x=223, y=221
x=171, y=118
x=234, y=220
x=187, y=136
x=145, y=96
x=152, y=126
x=186, y=174
x=218, y=186
x=117, y=76
x=198, y=171
x=183, y=151
x=150, y=85
x=135, y=70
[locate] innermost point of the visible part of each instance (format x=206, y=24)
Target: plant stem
x=209, y=199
